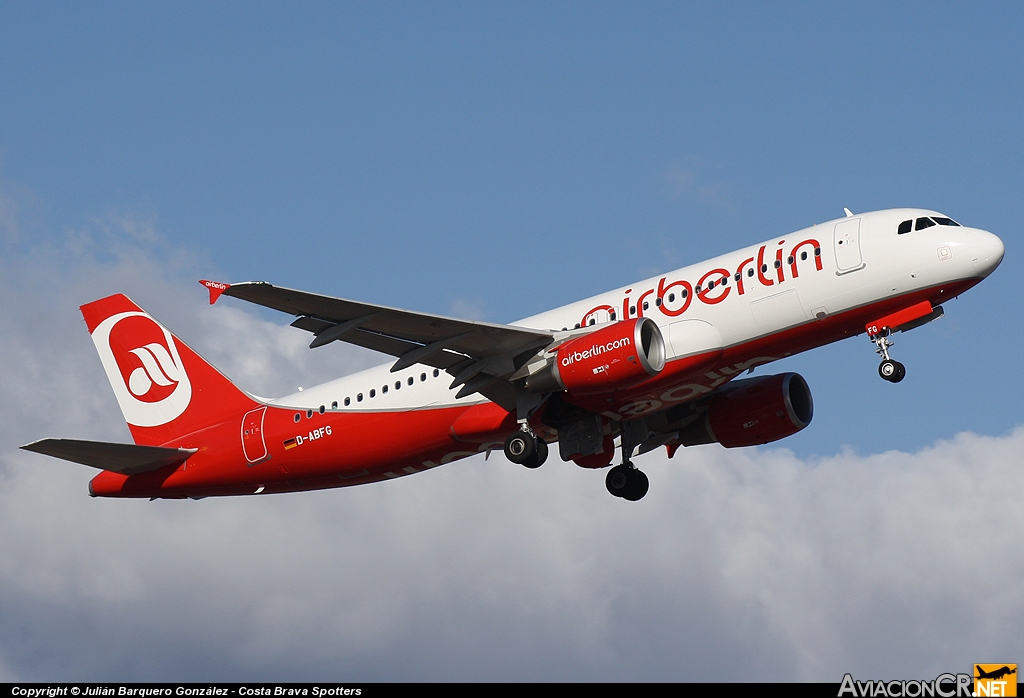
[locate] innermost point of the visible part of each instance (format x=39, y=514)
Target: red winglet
x=216, y=288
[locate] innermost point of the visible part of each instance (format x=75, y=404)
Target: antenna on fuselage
x=849, y=213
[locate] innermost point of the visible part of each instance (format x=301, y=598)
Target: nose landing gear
x=890, y=370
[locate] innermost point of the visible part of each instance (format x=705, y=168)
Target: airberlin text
x=673, y=298
x=595, y=350
x=943, y=686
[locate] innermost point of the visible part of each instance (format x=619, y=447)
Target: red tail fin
x=165, y=389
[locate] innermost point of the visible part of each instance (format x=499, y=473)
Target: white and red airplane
x=652, y=364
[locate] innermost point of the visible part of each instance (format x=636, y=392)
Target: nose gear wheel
x=892, y=371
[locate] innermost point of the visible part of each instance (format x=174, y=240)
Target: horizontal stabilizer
x=127, y=459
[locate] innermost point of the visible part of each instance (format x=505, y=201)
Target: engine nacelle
x=753, y=411
x=612, y=357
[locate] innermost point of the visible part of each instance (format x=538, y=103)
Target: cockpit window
x=905, y=227
x=946, y=221
x=923, y=223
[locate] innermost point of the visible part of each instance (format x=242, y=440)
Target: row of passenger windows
x=373, y=393
x=925, y=222
x=711, y=285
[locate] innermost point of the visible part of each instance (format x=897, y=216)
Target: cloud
x=749, y=564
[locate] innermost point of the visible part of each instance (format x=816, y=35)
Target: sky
x=491, y=161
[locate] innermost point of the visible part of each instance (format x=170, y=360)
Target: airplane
x=995, y=674
x=653, y=364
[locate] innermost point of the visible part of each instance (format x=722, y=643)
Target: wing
x=127, y=459
x=481, y=356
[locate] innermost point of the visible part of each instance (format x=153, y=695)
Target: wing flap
x=127, y=459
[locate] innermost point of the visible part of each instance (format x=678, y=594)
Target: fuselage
x=719, y=318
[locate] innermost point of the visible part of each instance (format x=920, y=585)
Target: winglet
x=216, y=288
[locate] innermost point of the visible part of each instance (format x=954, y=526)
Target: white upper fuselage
x=815, y=273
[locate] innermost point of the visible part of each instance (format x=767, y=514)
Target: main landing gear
x=627, y=482
x=890, y=370
x=523, y=447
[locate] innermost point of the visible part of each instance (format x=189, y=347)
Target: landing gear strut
x=524, y=448
x=890, y=370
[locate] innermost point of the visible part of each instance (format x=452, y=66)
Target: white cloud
x=747, y=564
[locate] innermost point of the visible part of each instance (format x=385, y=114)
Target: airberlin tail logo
x=143, y=367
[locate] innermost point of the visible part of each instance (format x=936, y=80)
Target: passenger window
x=359, y=397
x=297, y=417
x=348, y=401
x=398, y=385
x=322, y=409
x=334, y=405
x=384, y=389
x=373, y=393
x=905, y=227
x=923, y=223
x=750, y=272
x=411, y=380
x=423, y=376
x=436, y=373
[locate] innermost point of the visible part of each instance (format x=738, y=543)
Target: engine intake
x=615, y=356
x=752, y=412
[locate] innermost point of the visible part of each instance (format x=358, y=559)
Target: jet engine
x=753, y=411
x=612, y=357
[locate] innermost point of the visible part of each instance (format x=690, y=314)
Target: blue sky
x=491, y=161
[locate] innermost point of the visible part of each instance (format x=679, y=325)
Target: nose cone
x=986, y=251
